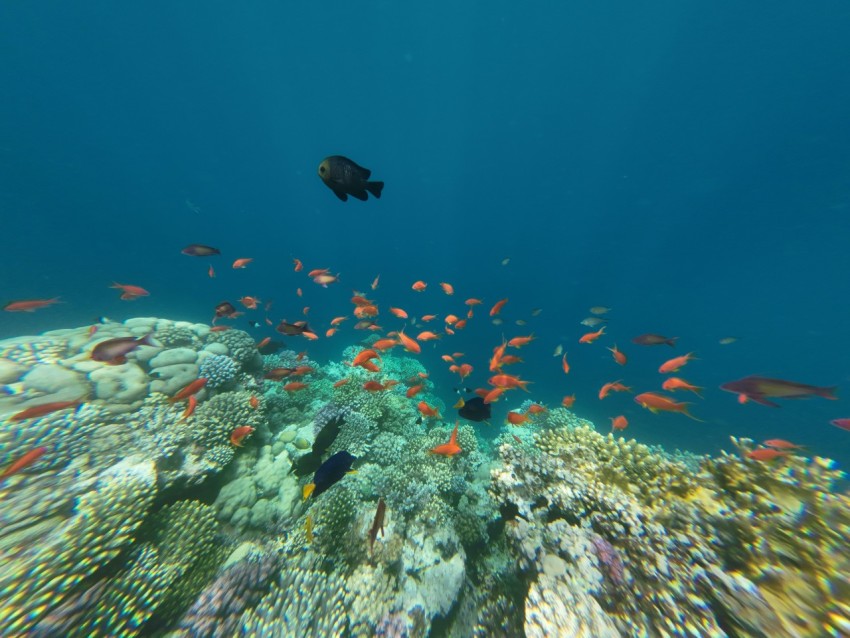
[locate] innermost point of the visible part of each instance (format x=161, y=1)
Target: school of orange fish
x=366, y=313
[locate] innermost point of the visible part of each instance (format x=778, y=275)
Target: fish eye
x=321, y=169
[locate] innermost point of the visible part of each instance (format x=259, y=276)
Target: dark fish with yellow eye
x=329, y=473
x=344, y=177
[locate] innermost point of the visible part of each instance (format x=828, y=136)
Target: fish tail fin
x=689, y=415
x=375, y=188
x=671, y=341
x=828, y=393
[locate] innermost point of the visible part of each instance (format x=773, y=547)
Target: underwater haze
x=684, y=166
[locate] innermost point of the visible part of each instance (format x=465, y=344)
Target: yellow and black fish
x=345, y=178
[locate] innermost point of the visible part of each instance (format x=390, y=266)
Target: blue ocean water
x=685, y=165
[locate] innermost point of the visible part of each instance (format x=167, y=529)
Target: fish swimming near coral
x=240, y=434
x=329, y=473
x=190, y=389
x=30, y=305
x=377, y=524
x=130, y=292
x=293, y=329
x=200, y=250
x=344, y=177
x=759, y=389
x=43, y=409
x=656, y=403
x=23, y=462
x=311, y=461
x=114, y=351
x=448, y=449
x=225, y=310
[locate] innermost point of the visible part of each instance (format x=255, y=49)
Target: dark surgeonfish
x=345, y=178
x=475, y=410
x=758, y=389
x=311, y=461
x=654, y=340
x=329, y=472
x=199, y=250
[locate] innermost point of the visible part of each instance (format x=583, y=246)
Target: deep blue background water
x=686, y=165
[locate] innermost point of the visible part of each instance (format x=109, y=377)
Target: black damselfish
x=345, y=178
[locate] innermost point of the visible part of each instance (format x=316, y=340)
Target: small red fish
x=41, y=410
x=30, y=305
x=92, y=330
x=568, y=401
x=619, y=357
x=23, y=462
x=675, y=363
x=451, y=448
x=242, y=262
x=189, y=390
x=782, y=444
x=516, y=418
x=211, y=273
x=497, y=307
x=378, y=522
x=447, y=288
x=413, y=390
x=129, y=292
x=375, y=282
x=240, y=434
x=590, y=337
x=190, y=406
x=419, y=286
x=619, y=423
x=765, y=454
x=427, y=410
x=297, y=265
x=844, y=424
x=262, y=344
x=294, y=386
x=341, y=383
x=254, y=402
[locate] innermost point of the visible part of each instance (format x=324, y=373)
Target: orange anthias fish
x=342, y=382
x=242, y=262
x=263, y=343
x=428, y=410
x=363, y=356
x=375, y=282
x=619, y=423
x=129, y=292
x=297, y=265
x=590, y=337
x=619, y=357
x=568, y=401
x=413, y=390
x=373, y=386
x=448, y=449
x=338, y=320
x=409, y=344
x=508, y=381
x=294, y=386
x=240, y=434
x=43, y=409
x=30, y=305
x=765, y=454
x=564, y=365
x=427, y=318
x=189, y=390
x=427, y=335
x=675, y=363
x=23, y=462
x=493, y=395
x=249, y=302
x=190, y=407
x=612, y=386
x=384, y=344
x=254, y=402
x=656, y=403
x=675, y=383
x=398, y=312
x=782, y=444
x=517, y=418
x=464, y=370
x=472, y=301
x=519, y=342
x=497, y=307
x=447, y=288
x=419, y=286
